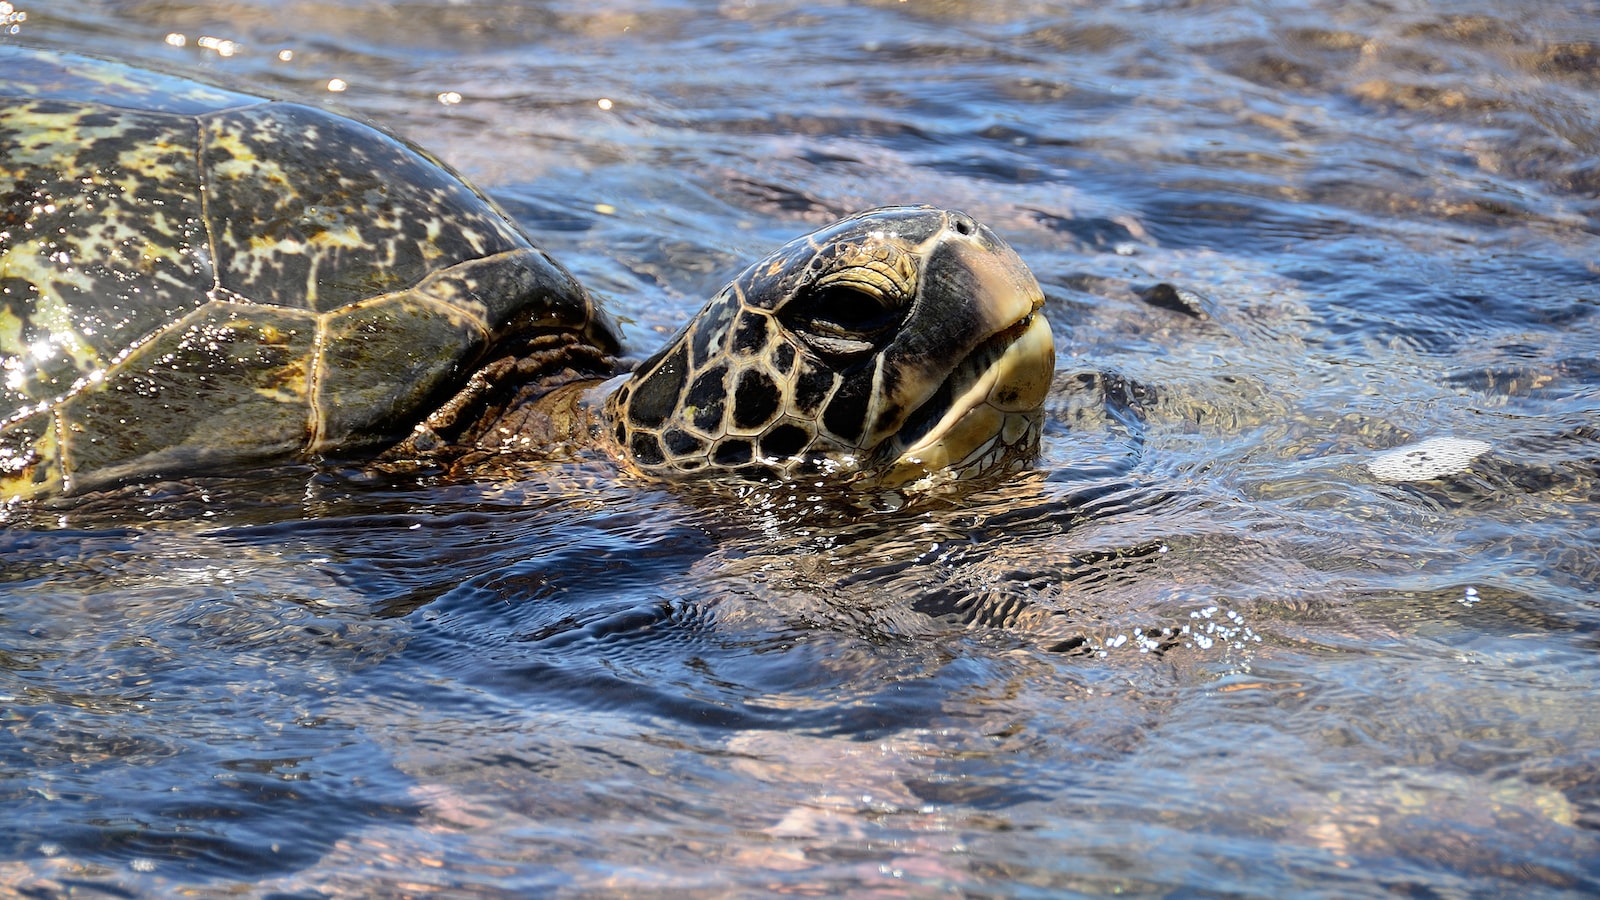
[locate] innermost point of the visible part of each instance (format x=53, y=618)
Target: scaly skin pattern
x=192, y=278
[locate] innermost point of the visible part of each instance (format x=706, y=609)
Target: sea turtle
x=193, y=279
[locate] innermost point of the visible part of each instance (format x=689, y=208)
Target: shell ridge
x=419, y=292
x=316, y=372
x=58, y=423
x=203, y=175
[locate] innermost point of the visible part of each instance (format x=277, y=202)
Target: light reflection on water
x=315, y=682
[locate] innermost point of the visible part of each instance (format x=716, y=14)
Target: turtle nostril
x=963, y=224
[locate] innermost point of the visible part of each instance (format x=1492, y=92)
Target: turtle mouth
x=985, y=409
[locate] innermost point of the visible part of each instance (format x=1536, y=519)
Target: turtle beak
x=986, y=415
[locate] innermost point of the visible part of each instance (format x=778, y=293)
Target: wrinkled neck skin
x=571, y=415
x=525, y=403
x=563, y=417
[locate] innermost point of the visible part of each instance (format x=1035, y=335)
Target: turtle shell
x=193, y=278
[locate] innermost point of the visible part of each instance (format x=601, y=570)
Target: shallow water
x=1202, y=650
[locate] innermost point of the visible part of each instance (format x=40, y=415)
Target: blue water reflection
x=1201, y=650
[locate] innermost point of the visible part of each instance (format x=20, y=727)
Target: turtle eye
x=850, y=311
x=842, y=320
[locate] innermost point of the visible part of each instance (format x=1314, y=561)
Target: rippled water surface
x=1202, y=650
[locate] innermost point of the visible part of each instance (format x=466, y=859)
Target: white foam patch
x=1426, y=460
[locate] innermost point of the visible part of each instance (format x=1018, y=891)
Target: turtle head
x=893, y=345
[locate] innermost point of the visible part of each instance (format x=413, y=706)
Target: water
x=1201, y=651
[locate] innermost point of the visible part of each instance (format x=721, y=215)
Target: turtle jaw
x=986, y=416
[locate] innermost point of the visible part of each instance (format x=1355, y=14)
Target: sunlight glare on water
x=1299, y=601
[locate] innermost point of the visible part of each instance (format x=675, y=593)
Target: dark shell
x=195, y=278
